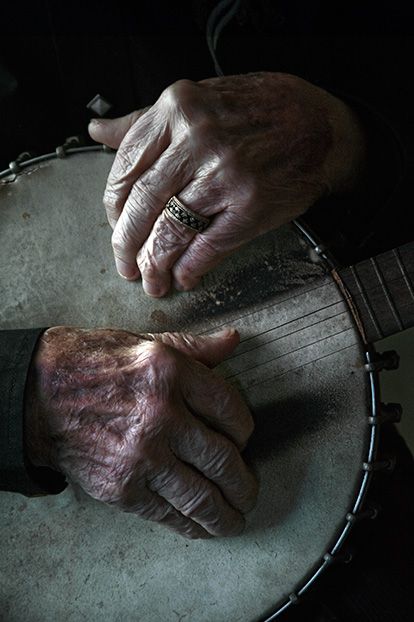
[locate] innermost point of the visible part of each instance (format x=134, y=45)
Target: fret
x=387, y=293
x=367, y=304
x=382, y=291
x=403, y=271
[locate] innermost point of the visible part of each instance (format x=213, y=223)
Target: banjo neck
x=381, y=291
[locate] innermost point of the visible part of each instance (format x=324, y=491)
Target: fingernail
x=184, y=287
x=128, y=272
x=129, y=277
x=151, y=289
x=228, y=331
x=95, y=123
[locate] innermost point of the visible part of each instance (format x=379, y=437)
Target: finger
x=196, y=498
x=150, y=506
x=146, y=201
x=166, y=242
x=143, y=143
x=169, y=238
x=218, y=402
x=207, y=349
x=208, y=249
x=111, y=132
x=218, y=459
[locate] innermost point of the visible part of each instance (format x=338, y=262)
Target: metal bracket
x=388, y=413
x=342, y=558
x=387, y=360
x=370, y=513
x=379, y=465
x=70, y=143
x=15, y=167
x=294, y=598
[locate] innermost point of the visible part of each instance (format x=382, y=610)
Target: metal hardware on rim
x=370, y=513
x=389, y=413
x=344, y=558
x=381, y=465
x=294, y=598
x=388, y=360
x=17, y=168
x=70, y=143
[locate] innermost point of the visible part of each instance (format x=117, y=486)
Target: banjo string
x=274, y=305
x=297, y=330
x=368, y=290
x=302, y=347
x=293, y=369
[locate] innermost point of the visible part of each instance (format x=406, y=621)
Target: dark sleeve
x=16, y=473
x=369, y=220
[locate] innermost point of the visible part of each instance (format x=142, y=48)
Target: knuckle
x=120, y=241
x=160, y=248
x=162, y=478
x=198, y=501
x=147, y=263
x=191, y=342
x=161, y=361
x=124, y=161
x=204, y=251
x=143, y=195
x=142, y=204
x=222, y=460
x=179, y=92
x=207, y=247
x=110, y=198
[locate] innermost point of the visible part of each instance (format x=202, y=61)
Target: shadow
x=284, y=440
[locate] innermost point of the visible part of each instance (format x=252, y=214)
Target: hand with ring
x=216, y=163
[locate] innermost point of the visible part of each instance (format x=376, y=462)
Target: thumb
x=207, y=349
x=112, y=131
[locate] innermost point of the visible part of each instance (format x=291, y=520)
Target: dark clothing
x=16, y=474
x=16, y=347
x=362, y=52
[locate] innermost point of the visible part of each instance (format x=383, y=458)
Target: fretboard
x=382, y=290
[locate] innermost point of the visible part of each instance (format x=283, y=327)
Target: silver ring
x=186, y=216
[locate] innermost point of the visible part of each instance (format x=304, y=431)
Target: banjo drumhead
x=300, y=365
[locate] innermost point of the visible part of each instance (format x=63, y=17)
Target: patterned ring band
x=185, y=216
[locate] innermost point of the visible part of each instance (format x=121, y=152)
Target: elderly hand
x=141, y=422
x=250, y=152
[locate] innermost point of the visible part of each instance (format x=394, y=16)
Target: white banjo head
x=300, y=365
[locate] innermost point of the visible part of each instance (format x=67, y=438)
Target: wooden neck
x=382, y=290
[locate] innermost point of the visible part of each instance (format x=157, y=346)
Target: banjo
x=304, y=364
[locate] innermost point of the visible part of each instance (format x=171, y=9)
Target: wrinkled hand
x=141, y=422
x=251, y=152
